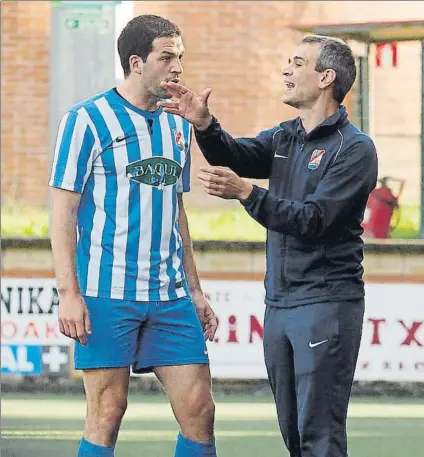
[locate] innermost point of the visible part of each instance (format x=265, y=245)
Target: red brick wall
x=395, y=93
x=25, y=28
x=238, y=49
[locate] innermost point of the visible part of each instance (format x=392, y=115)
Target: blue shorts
x=141, y=334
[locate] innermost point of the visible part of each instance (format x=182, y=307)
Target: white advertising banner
x=237, y=351
x=392, y=346
x=29, y=312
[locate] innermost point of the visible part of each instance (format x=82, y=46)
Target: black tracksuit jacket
x=319, y=185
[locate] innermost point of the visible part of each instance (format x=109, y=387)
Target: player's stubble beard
x=155, y=93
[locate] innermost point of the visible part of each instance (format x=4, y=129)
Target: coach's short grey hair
x=335, y=55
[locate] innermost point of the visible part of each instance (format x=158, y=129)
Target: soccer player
x=129, y=291
x=321, y=170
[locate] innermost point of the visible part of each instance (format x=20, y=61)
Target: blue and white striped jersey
x=128, y=164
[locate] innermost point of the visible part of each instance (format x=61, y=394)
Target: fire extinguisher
x=381, y=206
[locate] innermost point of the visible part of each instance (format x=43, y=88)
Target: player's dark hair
x=138, y=36
x=335, y=55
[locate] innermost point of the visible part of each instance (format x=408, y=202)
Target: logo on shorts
x=315, y=159
x=155, y=171
x=179, y=139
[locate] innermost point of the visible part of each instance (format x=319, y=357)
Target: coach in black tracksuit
x=321, y=170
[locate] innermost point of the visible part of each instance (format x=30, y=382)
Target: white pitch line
x=39, y=409
x=160, y=435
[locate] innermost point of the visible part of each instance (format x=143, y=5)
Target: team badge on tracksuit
x=315, y=159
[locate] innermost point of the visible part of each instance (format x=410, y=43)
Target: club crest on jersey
x=315, y=159
x=155, y=171
x=179, y=139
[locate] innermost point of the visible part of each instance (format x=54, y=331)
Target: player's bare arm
x=74, y=320
x=206, y=315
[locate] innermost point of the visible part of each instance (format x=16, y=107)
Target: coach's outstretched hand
x=188, y=104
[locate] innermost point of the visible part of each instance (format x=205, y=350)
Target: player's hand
x=223, y=182
x=188, y=104
x=206, y=315
x=74, y=320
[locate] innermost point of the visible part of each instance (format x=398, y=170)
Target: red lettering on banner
x=8, y=330
x=255, y=327
x=410, y=338
x=31, y=331
x=52, y=331
x=376, y=333
x=232, y=334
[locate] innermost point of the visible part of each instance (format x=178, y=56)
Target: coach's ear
x=327, y=77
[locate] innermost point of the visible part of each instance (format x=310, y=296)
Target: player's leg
x=188, y=388
x=105, y=362
x=173, y=346
x=280, y=368
x=326, y=339
x=106, y=392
